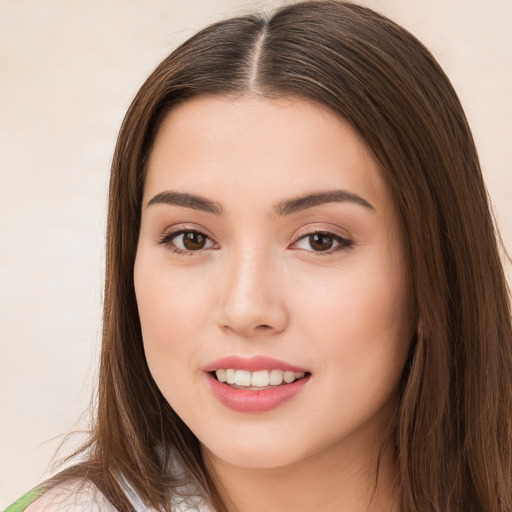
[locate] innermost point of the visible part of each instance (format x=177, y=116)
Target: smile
x=257, y=380
x=256, y=384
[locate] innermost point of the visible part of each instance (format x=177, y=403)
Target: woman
x=304, y=305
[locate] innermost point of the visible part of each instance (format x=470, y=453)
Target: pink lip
x=252, y=364
x=254, y=400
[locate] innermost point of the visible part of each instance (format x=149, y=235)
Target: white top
x=194, y=503
x=86, y=497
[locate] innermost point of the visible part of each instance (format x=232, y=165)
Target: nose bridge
x=252, y=301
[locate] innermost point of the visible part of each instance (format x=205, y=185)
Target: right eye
x=187, y=241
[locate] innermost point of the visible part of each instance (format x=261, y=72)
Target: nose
x=252, y=300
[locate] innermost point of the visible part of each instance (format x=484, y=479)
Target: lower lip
x=255, y=400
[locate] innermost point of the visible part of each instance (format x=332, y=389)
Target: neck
x=347, y=477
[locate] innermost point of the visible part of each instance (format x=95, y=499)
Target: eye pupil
x=321, y=242
x=193, y=241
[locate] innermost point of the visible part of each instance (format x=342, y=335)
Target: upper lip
x=252, y=364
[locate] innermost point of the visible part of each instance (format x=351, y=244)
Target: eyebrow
x=310, y=200
x=187, y=201
x=283, y=208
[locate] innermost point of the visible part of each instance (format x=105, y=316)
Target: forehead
x=269, y=147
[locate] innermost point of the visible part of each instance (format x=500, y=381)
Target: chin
x=265, y=450
x=253, y=456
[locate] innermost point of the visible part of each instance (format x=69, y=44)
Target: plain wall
x=68, y=71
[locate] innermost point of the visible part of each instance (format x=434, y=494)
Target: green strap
x=21, y=504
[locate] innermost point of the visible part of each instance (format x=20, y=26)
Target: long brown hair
x=454, y=429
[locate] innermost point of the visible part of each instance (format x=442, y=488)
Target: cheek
x=172, y=305
x=360, y=321
x=172, y=316
x=173, y=311
x=359, y=330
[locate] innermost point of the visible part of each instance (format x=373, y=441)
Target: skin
x=260, y=287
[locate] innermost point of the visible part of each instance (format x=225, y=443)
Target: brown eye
x=187, y=241
x=193, y=241
x=321, y=241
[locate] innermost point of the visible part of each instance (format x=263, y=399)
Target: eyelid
x=311, y=229
x=344, y=239
x=321, y=227
x=179, y=229
x=184, y=227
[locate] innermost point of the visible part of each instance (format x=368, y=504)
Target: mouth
x=256, y=384
x=257, y=380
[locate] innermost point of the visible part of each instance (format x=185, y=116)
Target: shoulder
x=69, y=497
x=84, y=496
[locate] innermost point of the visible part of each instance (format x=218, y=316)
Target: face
x=270, y=280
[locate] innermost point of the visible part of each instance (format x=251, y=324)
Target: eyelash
x=167, y=240
x=343, y=244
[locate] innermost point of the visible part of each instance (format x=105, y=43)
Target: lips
x=253, y=364
x=250, y=388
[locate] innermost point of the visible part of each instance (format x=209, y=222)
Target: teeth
x=259, y=379
x=221, y=375
x=288, y=377
x=276, y=377
x=242, y=378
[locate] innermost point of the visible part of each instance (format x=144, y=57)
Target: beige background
x=68, y=70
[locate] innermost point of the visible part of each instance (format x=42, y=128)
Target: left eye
x=187, y=241
x=322, y=242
